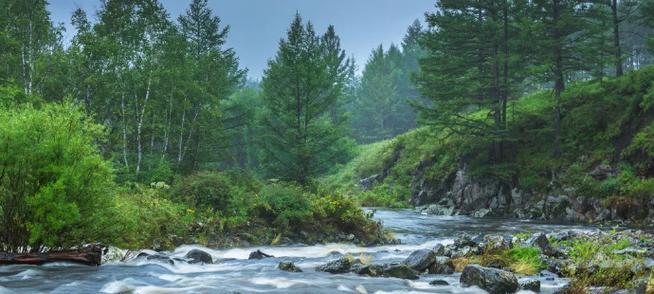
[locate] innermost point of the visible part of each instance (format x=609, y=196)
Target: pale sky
x=257, y=25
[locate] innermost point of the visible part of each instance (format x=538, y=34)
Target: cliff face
x=461, y=195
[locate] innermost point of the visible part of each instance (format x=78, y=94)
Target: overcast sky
x=257, y=25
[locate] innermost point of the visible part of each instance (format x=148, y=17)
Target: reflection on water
x=235, y=274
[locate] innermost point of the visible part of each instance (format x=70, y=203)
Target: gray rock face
x=531, y=285
x=369, y=182
x=198, y=256
x=339, y=266
x=603, y=171
x=442, y=266
x=420, y=260
x=289, y=267
x=400, y=271
x=494, y=281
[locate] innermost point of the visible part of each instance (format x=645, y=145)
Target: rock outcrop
x=494, y=281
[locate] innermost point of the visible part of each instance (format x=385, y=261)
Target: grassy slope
x=606, y=121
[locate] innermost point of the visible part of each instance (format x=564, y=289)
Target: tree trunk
x=139, y=127
x=122, y=111
x=559, y=81
x=616, y=39
x=88, y=256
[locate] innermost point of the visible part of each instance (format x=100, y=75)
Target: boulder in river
x=339, y=266
x=442, y=266
x=258, y=255
x=198, y=256
x=531, y=285
x=439, y=283
x=494, y=281
x=371, y=270
x=420, y=260
x=289, y=267
x=400, y=271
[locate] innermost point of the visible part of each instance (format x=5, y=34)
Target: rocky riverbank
x=593, y=262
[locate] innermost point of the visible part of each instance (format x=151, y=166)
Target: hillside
x=605, y=172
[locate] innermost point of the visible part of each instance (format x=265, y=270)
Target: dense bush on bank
x=57, y=190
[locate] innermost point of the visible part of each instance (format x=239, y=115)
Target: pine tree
x=299, y=89
x=562, y=46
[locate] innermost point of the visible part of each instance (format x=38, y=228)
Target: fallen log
x=91, y=255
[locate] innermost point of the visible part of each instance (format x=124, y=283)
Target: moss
x=460, y=263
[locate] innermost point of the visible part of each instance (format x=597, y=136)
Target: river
x=235, y=274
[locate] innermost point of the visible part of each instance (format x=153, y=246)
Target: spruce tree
x=301, y=139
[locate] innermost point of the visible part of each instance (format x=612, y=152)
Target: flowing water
x=235, y=274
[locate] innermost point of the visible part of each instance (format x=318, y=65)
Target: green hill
x=605, y=172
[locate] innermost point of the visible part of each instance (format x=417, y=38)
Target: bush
x=209, y=189
x=283, y=205
x=54, y=184
x=145, y=218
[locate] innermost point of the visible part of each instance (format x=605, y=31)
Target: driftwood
x=90, y=255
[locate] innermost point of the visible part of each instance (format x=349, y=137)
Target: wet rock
x=156, y=257
x=464, y=240
x=369, y=182
x=540, y=240
x=439, y=283
x=531, y=285
x=420, y=260
x=339, y=266
x=481, y=213
x=442, y=250
x=494, y=281
x=442, y=266
x=400, y=271
x=114, y=254
x=437, y=209
x=288, y=267
x=603, y=171
x=631, y=251
x=198, y=256
x=495, y=243
x=258, y=255
x=372, y=270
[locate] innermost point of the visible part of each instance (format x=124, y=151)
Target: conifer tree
x=300, y=86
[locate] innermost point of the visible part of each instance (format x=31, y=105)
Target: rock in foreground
x=198, y=256
x=420, y=260
x=494, y=281
x=339, y=266
x=258, y=255
x=289, y=267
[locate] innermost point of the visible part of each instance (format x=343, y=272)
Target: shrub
x=54, y=184
x=283, y=204
x=144, y=217
x=219, y=191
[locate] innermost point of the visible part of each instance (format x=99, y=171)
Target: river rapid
x=234, y=273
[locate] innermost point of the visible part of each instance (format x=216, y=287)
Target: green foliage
x=145, y=218
x=599, y=265
x=526, y=260
x=304, y=136
x=206, y=190
x=54, y=183
x=283, y=205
